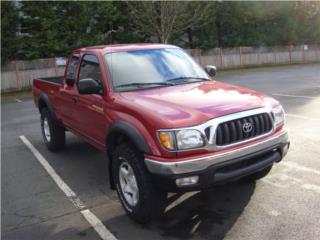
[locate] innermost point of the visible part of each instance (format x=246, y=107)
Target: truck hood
x=191, y=104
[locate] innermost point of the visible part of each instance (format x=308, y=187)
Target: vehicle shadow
x=207, y=214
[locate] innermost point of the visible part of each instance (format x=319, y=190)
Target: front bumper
x=220, y=167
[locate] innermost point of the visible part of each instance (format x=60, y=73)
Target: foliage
x=166, y=18
x=54, y=28
x=9, y=25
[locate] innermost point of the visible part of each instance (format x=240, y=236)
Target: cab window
x=90, y=68
x=72, y=66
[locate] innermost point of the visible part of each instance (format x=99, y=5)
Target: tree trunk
x=219, y=34
x=190, y=38
x=218, y=24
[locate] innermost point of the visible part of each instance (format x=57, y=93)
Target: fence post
x=18, y=81
x=199, y=56
x=221, y=58
x=274, y=56
x=240, y=55
x=290, y=58
x=303, y=54
x=214, y=58
x=55, y=67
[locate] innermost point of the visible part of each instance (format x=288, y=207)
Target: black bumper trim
x=267, y=161
x=224, y=172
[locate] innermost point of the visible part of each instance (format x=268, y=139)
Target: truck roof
x=124, y=47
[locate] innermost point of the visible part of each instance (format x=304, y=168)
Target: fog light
x=187, y=181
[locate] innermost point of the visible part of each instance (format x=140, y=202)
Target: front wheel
x=141, y=200
x=53, y=134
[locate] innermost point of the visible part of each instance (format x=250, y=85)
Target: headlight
x=189, y=139
x=278, y=114
x=181, y=139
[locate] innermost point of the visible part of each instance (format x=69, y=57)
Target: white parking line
x=283, y=180
x=180, y=199
x=58, y=180
x=296, y=96
x=95, y=222
x=103, y=232
x=300, y=167
x=311, y=187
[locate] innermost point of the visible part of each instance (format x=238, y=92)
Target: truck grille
x=241, y=129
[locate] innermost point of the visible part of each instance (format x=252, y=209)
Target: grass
x=13, y=96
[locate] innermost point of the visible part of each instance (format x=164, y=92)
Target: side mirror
x=211, y=70
x=70, y=81
x=89, y=86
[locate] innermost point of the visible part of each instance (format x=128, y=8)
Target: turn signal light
x=167, y=140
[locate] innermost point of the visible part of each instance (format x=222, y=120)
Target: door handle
x=97, y=108
x=74, y=99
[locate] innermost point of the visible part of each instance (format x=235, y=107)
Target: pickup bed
x=56, y=80
x=164, y=123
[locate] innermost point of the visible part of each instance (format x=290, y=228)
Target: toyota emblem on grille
x=247, y=127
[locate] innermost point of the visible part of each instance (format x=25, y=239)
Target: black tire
x=152, y=200
x=56, y=140
x=258, y=175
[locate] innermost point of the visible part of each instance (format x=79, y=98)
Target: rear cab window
x=72, y=66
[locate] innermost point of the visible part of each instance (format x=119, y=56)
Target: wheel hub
x=46, y=129
x=128, y=184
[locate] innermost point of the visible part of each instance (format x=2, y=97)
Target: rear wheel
x=53, y=134
x=141, y=200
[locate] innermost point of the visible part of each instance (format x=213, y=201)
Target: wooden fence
x=226, y=58
x=18, y=75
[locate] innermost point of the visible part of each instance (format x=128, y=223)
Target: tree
x=54, y=28
x=9, y=27
x=166, y=18
x=307, y=22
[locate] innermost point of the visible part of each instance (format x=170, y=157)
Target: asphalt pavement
x=284, y=205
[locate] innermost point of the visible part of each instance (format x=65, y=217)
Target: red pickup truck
x=164, y=124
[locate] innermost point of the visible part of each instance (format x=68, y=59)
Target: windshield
x=152, y=67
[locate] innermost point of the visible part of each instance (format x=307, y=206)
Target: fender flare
x=131, y=132
x=43, y=97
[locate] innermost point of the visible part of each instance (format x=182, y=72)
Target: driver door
x=89, y=108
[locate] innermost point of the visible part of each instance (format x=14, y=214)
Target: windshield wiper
x=144, y=84
x=181, y=78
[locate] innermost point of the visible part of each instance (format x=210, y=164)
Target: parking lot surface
x=284, y=205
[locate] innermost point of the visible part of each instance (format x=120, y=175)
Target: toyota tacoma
x=164, y=123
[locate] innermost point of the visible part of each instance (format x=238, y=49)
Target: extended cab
x=165, y=125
